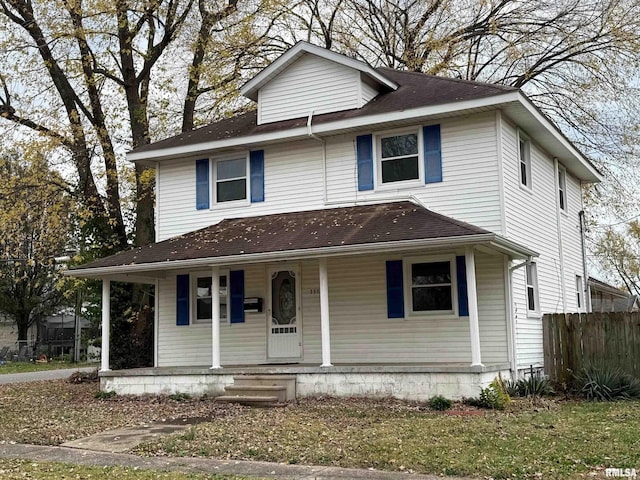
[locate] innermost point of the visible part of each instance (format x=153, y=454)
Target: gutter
x=324, y=155
x=489, y=239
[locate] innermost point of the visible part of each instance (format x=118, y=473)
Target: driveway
x=42, y=375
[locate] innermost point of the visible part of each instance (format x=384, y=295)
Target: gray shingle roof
x=315, y=229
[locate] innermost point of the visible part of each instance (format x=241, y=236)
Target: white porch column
x=215, y=318
x=106, y=324
x=324, y=313
x=472, y=296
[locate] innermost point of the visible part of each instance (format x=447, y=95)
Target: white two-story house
x=364, y=231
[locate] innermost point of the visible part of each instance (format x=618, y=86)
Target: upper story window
x=532, y=288
x=399, y=158
x=395, y=159
x=524, y=158
x=231, y=179
x=562, y=188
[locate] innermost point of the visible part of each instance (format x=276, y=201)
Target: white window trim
x=562, y=186
x=377, y=153
x=580, y=293
x=213, y=168
x=408, y=303
x=536, y=291
x=193, y=297
x=522, y=137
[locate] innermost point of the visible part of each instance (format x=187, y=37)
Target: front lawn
x=21, y=469
x=563, y=439
x=23, y=367
x=567, y=441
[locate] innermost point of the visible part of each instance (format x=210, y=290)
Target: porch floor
x=307, y=368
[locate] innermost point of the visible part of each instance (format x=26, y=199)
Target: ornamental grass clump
x=605, y=384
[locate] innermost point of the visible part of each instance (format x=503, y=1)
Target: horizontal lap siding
x=360, y=330
x=531, y=219
x=571, y=242
x=470, y=187
x=310, y=84
x=241, y=343
x=292, y=181
x=491, y=308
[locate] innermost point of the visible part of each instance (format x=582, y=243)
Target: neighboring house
x=607, y=298
x=369, y=231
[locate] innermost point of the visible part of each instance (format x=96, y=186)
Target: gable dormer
x=310, y=79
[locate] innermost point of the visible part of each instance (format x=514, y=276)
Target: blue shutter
x=432, y=154
x=364, y=153
x=236, y=290
x=182, y=300
x=256, y=167
x=461, y=274
x=202, y=184
x=395, y=294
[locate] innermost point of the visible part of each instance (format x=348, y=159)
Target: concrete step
x=279, y=391
x=287, y=381
x=252, y=400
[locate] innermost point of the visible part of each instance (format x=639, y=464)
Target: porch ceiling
x=336, y=231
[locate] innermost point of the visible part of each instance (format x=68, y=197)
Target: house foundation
x=407, y=382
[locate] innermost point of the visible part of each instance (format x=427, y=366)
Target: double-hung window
x=532, y=288
x=562, y=188
x=231, y=179
x=524, y=160
x=202, y=299
x=431, y=283
x=399, y=158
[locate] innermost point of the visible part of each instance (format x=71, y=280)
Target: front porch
x=404, y=381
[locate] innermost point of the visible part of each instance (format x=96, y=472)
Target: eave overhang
x=143, y=272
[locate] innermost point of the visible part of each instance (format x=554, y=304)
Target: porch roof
x=335, y=231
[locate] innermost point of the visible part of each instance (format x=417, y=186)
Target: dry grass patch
x=53, y=412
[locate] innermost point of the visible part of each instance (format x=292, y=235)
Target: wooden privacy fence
x=576, y=340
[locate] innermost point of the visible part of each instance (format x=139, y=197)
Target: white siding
x=292, y=181
x=311, y=83
x=532, y=220
x=572, y=243
x=470, y=187
x=368, y=92
x=360, y=329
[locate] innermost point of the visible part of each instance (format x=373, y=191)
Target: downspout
x=324, y=156
x=514, y=359
x=563, y=286
x=586, y=287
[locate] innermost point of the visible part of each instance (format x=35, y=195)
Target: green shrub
x=495, y=396
x=179, y=397
x=604, y=384
x=439, y=402
x=104, y=395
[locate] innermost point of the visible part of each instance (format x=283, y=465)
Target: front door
x=284, y=314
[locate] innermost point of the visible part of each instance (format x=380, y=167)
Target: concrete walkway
x=201, y=465
x=41, y=375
